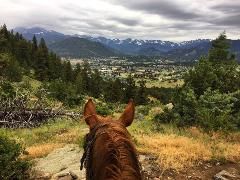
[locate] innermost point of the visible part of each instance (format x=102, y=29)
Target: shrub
x=214, y=111
x=11, y=165
x=6, y=90
x=64, y=92
x=104, y=109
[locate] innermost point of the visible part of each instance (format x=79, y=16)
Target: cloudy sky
x=173, y=20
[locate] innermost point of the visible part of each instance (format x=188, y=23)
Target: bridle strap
x=89, y=140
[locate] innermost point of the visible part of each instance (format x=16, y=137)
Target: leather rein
x=89, y=141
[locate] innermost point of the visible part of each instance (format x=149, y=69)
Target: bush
x=6, y=90
x=214, y=111
x=11, y=165
x=104, y=109
x=211, y=111
x=64, y=92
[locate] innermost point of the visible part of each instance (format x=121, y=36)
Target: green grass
x=58, y=131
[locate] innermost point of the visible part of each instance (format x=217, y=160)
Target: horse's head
x=93, y=119
x=109, y=152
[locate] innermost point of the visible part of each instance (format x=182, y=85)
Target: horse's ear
x=128, y=114
x=90, y=114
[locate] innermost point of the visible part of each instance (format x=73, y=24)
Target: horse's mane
x=120, y=156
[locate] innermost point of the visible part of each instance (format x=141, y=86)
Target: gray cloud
x=166, y=8
x=125, y=21
x=227, y=8
x=174, y=20
x=231, y=20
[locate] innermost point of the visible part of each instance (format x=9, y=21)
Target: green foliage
x=104, y=109
x=220, y=49
x=64, y=92
x=114, y=91
x=218, y=72
x=6, y=90
x=9, y=68
x=210, y=97
x=141, y=97
x=214, y=111
x=12, y=166
x=130, y=88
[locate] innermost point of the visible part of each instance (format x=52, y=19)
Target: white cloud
x=175, y=20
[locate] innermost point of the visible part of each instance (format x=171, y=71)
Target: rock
x=66, y=176
x=223, y=175
x=62, y=161
x=169, y=106
x=142, y=158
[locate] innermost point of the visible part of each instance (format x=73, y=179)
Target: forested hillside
x=80, y=47
x=60, y=79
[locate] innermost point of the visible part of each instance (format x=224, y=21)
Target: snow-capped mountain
x=126, y=46
x=187, y=50
x=147, y=47
x=48, y=35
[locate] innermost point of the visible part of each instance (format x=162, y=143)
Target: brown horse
x=109, y=153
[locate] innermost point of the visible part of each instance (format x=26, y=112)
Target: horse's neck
x=115, y=158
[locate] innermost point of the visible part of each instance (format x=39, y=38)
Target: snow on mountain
x=127, y=46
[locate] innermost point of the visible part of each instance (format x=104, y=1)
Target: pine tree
x=96, y=84
x=83, y=79
x=218, y=72
x=68, y=71
x=4, y=44
x=76, y=70
x=141, y=97
x=130, y=88
x=220, y=49
x=34, y=44
x=42, y=61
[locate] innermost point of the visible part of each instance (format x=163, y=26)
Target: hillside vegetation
x=80, y=47
x=182, y=127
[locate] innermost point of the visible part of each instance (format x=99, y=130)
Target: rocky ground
x=63, y=164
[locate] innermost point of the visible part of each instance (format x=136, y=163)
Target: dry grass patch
x=68, y=137
x=41, y=150
x=229, y=151
x=175, y=152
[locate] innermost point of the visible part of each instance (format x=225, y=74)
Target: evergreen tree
x=220, y=49
x=113, y=90
x=4, y=44
x=130, y=88
x=96, y=84
x=83, y=79
x=68, y=71
x=218, y=72
x=34, y=44
x=141, y=97
x=76, y=70
x=42, y=61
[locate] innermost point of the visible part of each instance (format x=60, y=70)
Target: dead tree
x=15, y=113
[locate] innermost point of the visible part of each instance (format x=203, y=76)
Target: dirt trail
x=60, y=162
x=63, y=164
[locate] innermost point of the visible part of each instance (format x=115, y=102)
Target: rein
x=89, y=141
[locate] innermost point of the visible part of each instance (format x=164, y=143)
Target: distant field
x=165, y=84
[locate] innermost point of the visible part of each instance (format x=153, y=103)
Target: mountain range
x=88, y=46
